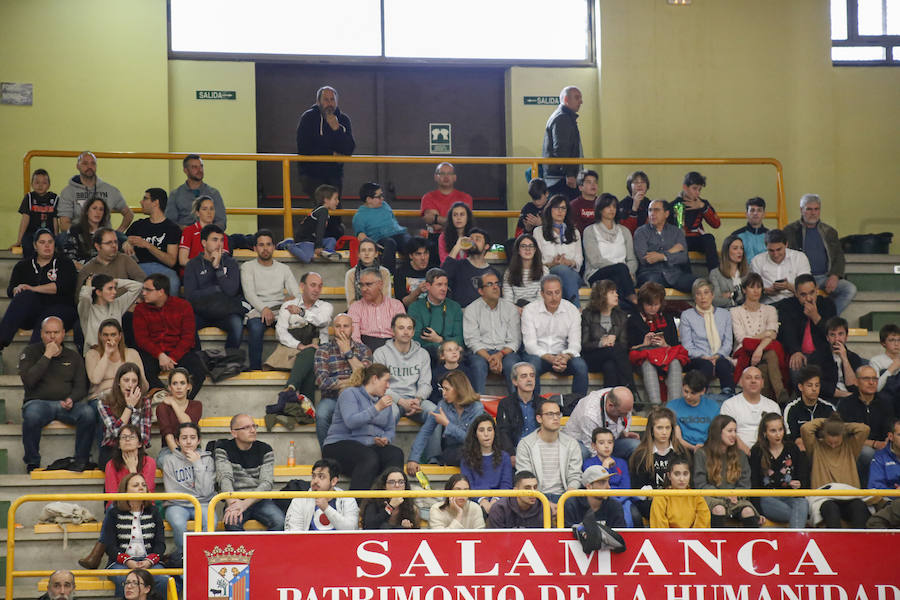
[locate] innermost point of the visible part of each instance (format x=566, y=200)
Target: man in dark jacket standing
x=323, y=130
x=563, y=140
x=54, y=382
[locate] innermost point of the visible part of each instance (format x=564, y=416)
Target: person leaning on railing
x=390, y=513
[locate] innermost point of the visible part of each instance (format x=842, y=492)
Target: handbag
x=214, y=307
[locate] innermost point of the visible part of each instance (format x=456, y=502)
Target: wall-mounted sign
x=439, y=138
x=216, y=95
x=20, y=94
x=541, y=100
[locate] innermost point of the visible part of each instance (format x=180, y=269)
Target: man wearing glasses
x=864, y=406
x=550, y=454
x=109, y=260
x=493, y=333
x=244, y=464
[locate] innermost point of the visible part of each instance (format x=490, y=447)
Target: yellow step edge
x=46, y=475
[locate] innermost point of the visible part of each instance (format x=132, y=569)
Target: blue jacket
x=455, y=431
x=884, y=474
x=357, y=419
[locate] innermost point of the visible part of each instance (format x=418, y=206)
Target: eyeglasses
x=128, y=436
x=148, y=289
x=378, y=196
x=526, y=246
x=867, y=378
x=490, y=284
x=131, y=583
x=365, y=284
x=251, y=427
x=109, y=243
x=552, y=415
x=396, y=482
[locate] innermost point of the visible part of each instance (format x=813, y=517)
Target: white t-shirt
x=748, y=415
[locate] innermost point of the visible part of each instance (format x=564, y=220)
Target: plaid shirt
x=140, y=417
x=331, y=366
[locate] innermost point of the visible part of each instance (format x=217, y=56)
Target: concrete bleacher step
x=877, y=319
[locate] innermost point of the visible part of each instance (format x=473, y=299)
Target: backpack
x=63, y=513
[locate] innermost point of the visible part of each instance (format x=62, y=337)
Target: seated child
x=449, y=359
x=683, y=512
x=318, y=233
x=602, y=442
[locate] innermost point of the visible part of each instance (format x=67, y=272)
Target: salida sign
x=543, y=565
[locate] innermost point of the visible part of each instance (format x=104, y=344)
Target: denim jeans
x=306, y=251
x=178, y=516
x=154, y=267
x=255, y=330
x=232, y=324
x=266, y=512
x=480, y=370
x=576, y=367
x=842, y=295
x=36, y=414
x=324, y=413
x=160, y=582
x=433, y=447
x=571, y=283
x=623, y=447
x=793, y=511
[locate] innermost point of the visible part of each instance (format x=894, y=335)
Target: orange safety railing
x=287, y=211
x=11, y=573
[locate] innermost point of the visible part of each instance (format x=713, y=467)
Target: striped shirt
x=529, y=291
x=374, y=320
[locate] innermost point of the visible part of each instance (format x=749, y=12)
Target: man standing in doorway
x=323, y=130
x=563, y=140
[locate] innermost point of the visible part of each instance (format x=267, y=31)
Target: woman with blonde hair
x=363, y=427
x=455, y=412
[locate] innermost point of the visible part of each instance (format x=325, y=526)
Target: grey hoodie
x=75, y=194
x=410, y=372
x=182, y=476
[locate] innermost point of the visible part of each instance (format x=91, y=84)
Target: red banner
x=762, y=564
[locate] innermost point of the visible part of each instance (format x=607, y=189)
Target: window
x=865, y=32
x=385, y=31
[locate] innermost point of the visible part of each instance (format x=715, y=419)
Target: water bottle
x=292, y=456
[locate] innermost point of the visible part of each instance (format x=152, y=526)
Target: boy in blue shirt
x=695, y=410
x=375, y=219
x=602, y=442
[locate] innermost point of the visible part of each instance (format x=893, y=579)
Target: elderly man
x=87, y=186
x=821, y=245
x=323, y=130
x=373, y=313
x=661, y=250
x=335, y=361
x=779, y=266
x=245, y=464
x=551, y=332
x=181, y=201
x=54, y=382
x=563, y=140
x=40, y=286
x=876, y=412
x=748, y=408
x=515, y=413
x=610, y=408
x=493, y=332
x=109, y=260
x=60, y=586
x=436, y=203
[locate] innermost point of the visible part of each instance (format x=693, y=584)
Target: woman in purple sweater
x=484, y=464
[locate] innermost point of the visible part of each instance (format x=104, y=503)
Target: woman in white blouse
x=608, y=249
x=560, y=245
x=755, y=327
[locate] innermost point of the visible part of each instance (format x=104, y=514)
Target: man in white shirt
x=778, y=266
x=492, y=330
x=609, y=408
x=551, y=332
x=322, y=514
x=749, y=407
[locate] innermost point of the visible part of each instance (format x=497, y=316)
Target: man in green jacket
x=438, y=318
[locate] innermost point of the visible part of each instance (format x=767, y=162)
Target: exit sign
x=541, y=100
x=216, y=95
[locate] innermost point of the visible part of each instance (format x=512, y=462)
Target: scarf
x=712, y=332
x=607, y=235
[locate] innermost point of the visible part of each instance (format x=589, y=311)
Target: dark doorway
x=390, y=108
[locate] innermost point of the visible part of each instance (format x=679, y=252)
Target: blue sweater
x=454, y=432
x=376, y=223
x=884, y=474
x=619, y=477
x=491, y=477
x=694, y=420
x=357, y=419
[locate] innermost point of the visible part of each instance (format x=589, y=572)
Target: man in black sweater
x=55, y=384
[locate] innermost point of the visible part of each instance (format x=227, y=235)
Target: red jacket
x=168, y=329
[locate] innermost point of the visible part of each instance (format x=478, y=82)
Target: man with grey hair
x=516, y=413
x=323, y=130
x=551, y=334
x=822, y=247
x=86, y=186
x=60, y=586
x=372, y=314
x=563, y=140
x=661, y=250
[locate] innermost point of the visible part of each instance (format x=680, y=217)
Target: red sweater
x=169, y=328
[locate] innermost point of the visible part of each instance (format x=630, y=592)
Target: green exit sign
x=541, y=100
x=216, y=95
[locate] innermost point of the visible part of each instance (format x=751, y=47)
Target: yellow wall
x=216, y=126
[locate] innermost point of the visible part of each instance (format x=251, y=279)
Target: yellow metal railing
x=11, y=532
x=287, y=211
x=560, y=513
x=211, y=509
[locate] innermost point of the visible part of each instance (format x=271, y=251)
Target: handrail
x=560, y=512
x=533, y=161
x=11, y=530
x=211, y=508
